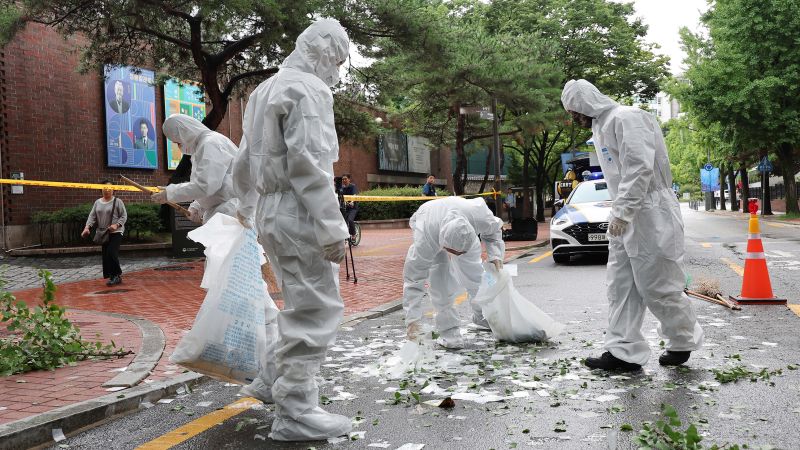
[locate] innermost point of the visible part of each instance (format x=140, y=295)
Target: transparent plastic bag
x=229, y=338
x=511, y=316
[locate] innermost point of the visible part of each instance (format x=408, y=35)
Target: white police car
x=580, y=225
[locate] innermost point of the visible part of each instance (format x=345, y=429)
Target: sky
x=664, y=19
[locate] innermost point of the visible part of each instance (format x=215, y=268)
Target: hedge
x=391, y=210
x=65, y=225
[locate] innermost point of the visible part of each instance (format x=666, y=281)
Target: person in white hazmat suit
x=283, y=176
x=210, y=186
x=646, y=249
x=446, y=253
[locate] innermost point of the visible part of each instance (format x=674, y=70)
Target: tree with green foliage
x=458, y=68
x=745, y=76
x=227, y=46
x=597, y=40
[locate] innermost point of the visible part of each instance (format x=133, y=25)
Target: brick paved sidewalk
x=170, y=296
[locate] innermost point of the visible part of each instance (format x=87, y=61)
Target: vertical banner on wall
x=419, y=155
x=130, y=117
x=181, y=98
x=393, y=151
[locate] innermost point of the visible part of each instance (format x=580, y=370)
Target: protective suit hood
x=583, y=97
x=185, y=130
x=319, y=50
x=456, y=233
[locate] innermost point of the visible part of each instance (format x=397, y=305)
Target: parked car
x=580, y=226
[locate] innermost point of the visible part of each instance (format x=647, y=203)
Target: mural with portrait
x=181, y=97
x=130, y=117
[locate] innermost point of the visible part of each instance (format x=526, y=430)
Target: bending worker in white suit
x=447, y=253
x=210, y=185
x=283, y=176
x=645, y=261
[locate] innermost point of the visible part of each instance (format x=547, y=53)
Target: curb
x=373, y=313
x=86, y=249
x=739, y=215
x=544, y=243
x=153, y=344
x=37, y=430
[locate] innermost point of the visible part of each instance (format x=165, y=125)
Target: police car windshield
x=590, y=192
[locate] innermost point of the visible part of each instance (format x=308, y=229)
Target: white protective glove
x=498, y=265
x=160, y=196
x=616, y=227
x=334, y=252
x=195, y=215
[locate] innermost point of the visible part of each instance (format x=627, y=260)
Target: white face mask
x=330, y=75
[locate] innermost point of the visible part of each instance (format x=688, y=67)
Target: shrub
x=143, y=218
x=64, y=225
x=391, y=210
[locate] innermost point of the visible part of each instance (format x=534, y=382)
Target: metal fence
x=775, y=192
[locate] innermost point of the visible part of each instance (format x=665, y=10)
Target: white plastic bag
x=511, y=316
x=228, y=340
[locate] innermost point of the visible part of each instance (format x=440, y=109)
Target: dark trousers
x=350, y=218
x=111, y=266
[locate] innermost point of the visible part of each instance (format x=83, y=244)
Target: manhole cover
x=112, y=291
x=172, y=268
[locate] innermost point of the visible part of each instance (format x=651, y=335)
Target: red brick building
x=52, y=127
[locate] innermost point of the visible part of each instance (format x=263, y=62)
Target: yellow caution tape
x=63, y=184
x=125, y=187
x=378, y=198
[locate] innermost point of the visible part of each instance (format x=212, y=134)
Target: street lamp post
x=498, y=185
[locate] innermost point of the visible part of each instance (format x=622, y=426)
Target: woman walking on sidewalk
x=109, y=214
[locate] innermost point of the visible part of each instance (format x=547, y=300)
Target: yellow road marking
x=461, y=298
x=540, y=257
x=706, y=245
x=795, y=309
x=734, y=267
x=778, y=225
x=199, y=425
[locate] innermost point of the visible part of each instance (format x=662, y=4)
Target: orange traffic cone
x=756, y=287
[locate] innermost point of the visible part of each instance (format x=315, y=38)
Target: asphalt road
x=545, y=387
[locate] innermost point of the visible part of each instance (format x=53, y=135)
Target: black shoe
x=115, y=280
x=110, y=281
x=672, y=358
x=607, y=361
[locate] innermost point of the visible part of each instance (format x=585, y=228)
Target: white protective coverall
x=454, y=223
x=284, y=171
x=210, y=184
x=645, y=264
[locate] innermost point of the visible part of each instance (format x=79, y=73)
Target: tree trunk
x=541, y=176
x=731, y=173
x=458, y=175
x=486, y=173
x=745, y=188
x=540, y=180
x=722, y=188
x=526, y=182
x=766, y=198
x=786, y=157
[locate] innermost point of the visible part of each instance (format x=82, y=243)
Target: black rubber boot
x=607, y=361
x=671, y=358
